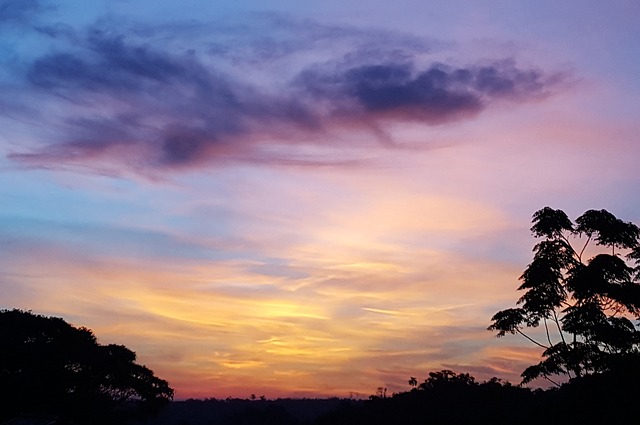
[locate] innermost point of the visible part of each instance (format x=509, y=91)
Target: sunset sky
x=297, y=198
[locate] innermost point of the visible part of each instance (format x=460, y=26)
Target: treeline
x=445, y=397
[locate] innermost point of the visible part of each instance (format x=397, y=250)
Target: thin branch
x=608, y=348
x=583, y=248
x=566, y=303
x=551, y=380
x=570, y=246
x=531, y=339
x=555, y=319
x=546, y=328
x=619, y=309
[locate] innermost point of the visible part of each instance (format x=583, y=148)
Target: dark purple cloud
x=109, y=63
x=433, y=95
x=139, y=102
x=168, y=103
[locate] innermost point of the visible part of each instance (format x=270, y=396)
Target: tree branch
x=583, y=248
x=551, y=380
x=571, y=246
x=531, y=339
x=555, y=319
x=546, y=328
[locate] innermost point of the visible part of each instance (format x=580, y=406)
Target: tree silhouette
x=448, y=379
x=49, y=367
x=585, y=305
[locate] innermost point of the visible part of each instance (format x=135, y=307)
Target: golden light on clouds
x=355, y=298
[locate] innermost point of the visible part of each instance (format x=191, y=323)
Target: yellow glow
x=287, y=310
x=246, y=364
x=388, y=312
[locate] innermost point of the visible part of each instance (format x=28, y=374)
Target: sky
x=304, y=199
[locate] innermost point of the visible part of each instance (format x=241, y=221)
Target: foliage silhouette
x=445, y=397
x=585, y=305
x=49, y=367
x=447, y=379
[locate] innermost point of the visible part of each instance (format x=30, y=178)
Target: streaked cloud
x=131, y=99
x=235, y=321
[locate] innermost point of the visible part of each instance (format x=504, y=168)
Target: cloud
x=433, y=95
x=270, y=307
x=138, y=102
x=379, y=89
x=18, y=11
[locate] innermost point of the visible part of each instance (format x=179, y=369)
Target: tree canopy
x=48, y=366
x=586, y=304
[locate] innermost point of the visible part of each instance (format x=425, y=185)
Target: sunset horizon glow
x=298, y=199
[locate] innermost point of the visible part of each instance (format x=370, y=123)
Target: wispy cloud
x=126, y=101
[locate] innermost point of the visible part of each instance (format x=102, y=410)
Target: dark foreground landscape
x=443, y=398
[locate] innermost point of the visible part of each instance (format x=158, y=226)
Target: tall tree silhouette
x=49, y=367
x=586, y=306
